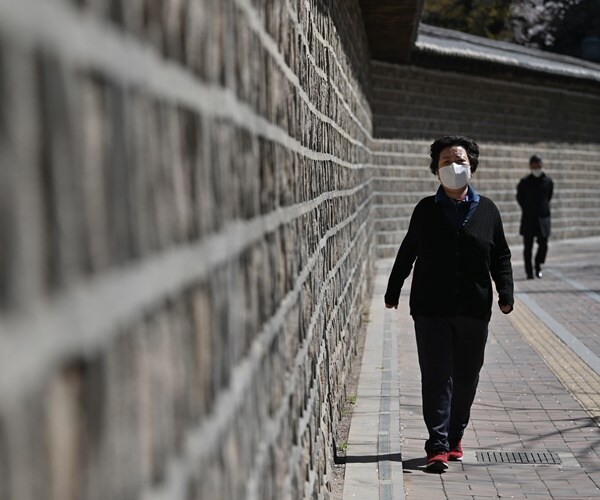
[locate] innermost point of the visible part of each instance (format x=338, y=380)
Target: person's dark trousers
x=451, y=352
x=540, y=255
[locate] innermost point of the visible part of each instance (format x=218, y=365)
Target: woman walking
x=456, y=242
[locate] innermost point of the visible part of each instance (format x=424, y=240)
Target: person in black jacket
x=534, y=193
x=455, y=240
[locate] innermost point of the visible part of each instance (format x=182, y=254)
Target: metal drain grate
x=518, y=457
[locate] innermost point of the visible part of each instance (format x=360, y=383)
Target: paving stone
x=521, y=406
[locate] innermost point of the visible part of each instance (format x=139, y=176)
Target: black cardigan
x=453, y=266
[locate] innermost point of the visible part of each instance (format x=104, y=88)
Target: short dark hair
x=442, y=143
x=535, y=159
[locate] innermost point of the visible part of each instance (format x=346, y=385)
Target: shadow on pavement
x=366, y=459
x=414, y=464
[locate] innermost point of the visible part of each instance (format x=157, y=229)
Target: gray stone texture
x=198, y=174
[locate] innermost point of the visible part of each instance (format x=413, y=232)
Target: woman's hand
x=506, y=308
x=390, y=306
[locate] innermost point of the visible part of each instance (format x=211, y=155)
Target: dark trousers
x=451, y=352
x=540, y=255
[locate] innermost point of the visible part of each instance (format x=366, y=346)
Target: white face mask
x=455, y=176
x=537, y=172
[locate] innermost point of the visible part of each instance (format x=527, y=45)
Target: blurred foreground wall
x=185, y=245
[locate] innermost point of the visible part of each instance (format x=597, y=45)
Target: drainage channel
x=562, y=459
x=519, y=457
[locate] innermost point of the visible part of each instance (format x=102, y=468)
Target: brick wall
x=186, y=245
x=510, y=121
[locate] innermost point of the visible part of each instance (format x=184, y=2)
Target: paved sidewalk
x=538, y=397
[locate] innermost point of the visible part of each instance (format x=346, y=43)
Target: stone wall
x=186, y=245
x=510, y=121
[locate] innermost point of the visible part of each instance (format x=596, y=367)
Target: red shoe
x=456, y=453
x=437, y=461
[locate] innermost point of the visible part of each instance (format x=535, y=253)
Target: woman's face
x=453, y=154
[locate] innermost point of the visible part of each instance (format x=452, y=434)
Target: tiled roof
x=442, y=42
